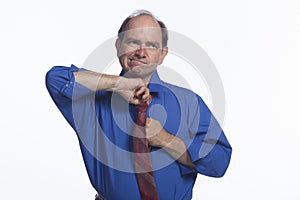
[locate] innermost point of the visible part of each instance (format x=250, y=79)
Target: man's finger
x=146, y=96
x=135, y=101
x=148, y=122
x=140, y=91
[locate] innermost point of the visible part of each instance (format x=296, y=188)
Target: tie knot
x=142, y=107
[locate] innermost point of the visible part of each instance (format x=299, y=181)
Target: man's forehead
x=142, y=21
x=150, y=33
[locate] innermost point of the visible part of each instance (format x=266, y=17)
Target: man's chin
x=136, y=69
x=134, y=72
x=138, y=72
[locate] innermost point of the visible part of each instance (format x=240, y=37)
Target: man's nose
x=141, y=51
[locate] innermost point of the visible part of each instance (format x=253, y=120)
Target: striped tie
x=143, y=165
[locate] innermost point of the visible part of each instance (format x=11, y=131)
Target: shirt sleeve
x=208, y=147
x=60, y=83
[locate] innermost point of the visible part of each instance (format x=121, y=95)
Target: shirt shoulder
x=180, y=92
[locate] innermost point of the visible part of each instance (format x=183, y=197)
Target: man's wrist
x=116, y=83
x=168, y=139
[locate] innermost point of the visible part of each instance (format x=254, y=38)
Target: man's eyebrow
x=158, y=44
x=153, y=42
x=131, y=39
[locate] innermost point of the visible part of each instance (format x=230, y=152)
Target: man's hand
x=133, y=90
x=155, y=134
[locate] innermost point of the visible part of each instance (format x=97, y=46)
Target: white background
x=255, y=46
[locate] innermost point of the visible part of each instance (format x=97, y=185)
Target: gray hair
x=136, y=13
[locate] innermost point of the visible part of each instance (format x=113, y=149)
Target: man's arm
x=208, y=151
x=132, y=89
x=61, y=82
x=159, y=137
x=207, y=144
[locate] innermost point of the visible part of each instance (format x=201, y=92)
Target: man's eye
x=133, y=43
x=152, y=46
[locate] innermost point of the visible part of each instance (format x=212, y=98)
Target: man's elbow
x=223, y=164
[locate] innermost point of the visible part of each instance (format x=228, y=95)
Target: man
x=181, y=134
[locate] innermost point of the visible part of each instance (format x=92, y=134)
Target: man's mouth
x=136, y=62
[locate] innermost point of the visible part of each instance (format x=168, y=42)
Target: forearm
x=177, y=149
x=96, y=81
x=132, y=90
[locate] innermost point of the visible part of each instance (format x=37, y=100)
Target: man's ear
x=163, y=55
x=117, y=45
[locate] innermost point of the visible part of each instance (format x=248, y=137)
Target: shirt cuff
x=72, y=89
x=184, y=170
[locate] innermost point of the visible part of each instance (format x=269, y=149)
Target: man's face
x=140, y=49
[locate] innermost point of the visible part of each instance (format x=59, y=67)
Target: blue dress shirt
x=103, y=122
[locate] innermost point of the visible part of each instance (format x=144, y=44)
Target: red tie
x=143, y=165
